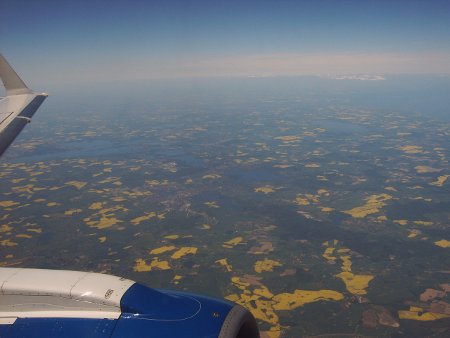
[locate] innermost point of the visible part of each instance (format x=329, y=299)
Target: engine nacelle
x=61, y=303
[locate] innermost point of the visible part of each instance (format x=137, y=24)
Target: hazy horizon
x=78, y=42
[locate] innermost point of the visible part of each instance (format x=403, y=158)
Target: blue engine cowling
x=146, y=313
x=177, y=314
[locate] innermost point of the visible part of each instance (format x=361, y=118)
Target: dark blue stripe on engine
x=58, y=328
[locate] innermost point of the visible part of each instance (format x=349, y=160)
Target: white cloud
x=360, y=77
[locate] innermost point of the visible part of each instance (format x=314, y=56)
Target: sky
x=97, y=40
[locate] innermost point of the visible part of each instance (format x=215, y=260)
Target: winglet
x=12, y=82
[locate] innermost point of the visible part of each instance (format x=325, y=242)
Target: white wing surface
x=17, y=108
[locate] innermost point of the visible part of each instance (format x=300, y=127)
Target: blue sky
x=83, y=41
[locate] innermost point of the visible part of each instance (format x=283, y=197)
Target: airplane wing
x=17, y=107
